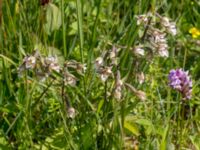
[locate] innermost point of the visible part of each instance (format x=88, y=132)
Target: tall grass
x=35, y=114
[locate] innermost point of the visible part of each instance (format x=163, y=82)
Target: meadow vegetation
x=100, y=74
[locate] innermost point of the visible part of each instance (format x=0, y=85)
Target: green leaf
x=53, y=18
x=144, y=122
x=196, y=142
x=74, y=28
x=87, y=135
x=147, y=125
x=56, y=141
x=7, y=59
x=100, y=105
x=132, y=128
x=3, y=143
x=164, y=142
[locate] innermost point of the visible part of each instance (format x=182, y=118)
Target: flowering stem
x=177, y=129
x=146, y=29
x=47, y=88
x=182, y=119
x=28, y=102
x=179, y=123
x=105, y=91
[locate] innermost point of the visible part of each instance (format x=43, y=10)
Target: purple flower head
x=180, y=81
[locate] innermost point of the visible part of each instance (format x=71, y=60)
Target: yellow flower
x=195, y=32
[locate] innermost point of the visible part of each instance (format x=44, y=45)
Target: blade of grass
x=80, y=26
x=63, y=29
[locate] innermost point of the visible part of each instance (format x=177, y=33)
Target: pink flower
x=180, y=81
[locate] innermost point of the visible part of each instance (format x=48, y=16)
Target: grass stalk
x=80, y=27
x=63, y=29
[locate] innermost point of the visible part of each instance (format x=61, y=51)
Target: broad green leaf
x=53, y=18
x=147, y=124
x=132, y=128
x=144, y=122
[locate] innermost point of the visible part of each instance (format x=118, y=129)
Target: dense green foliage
x=35, y=114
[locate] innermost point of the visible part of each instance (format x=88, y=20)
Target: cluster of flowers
x=45, y=66
x=180, y=81
x=69, y=78
x=110, y=58
x=104, y=65
x=42, y=66
x=157, y=28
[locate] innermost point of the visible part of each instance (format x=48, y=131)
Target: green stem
x=179, y=124
x=44, y=92
x=185, y=56
x=28, y=111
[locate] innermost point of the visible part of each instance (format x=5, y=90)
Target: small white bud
x=99, y=62
x=138, y=50
x=71, y=112
x=30, y=62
